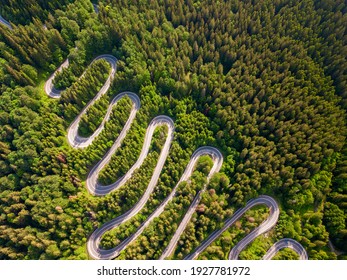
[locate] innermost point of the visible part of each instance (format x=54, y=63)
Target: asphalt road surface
x=96, y=8
x=5, y=22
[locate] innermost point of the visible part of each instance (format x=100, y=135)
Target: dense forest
x=263, y=81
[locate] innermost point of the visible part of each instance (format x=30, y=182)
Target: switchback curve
x=286, y=243
x=95, y=188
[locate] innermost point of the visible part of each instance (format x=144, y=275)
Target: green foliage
x=264, y=81
x=80, y=93
x=220, y=248
x=335, y=221
x=64, y=78
x=286, y=254
x=28, y=49
x=210, y=215
x=83, y=160
x=93, y=118
x=334, y=217
x=23, y=12
x=113, y=237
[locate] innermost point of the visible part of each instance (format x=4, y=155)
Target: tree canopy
x=263, y=81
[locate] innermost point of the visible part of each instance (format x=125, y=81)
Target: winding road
x=264, y=227
x=96, y=252
x=95, y=188
x=267, y=225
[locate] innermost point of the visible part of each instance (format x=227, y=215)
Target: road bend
x=286, y=243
